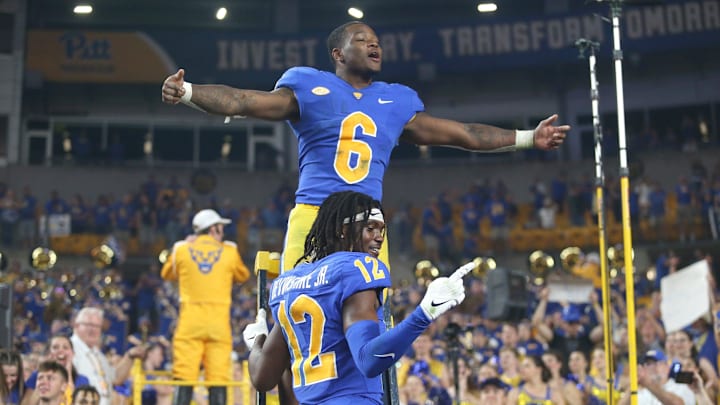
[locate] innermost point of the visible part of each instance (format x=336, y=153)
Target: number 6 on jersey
x=348, y=146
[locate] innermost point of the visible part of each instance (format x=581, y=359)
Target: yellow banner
x=97, y=57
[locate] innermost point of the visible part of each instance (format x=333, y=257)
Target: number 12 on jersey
x=374, y=273
x=303, y=371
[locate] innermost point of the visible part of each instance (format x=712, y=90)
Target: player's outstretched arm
x=277, y=105
x=374, y=352
x=425, y=129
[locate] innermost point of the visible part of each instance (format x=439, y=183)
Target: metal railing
x=139, y=380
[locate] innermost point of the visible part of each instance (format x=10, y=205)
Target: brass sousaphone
x=570, y=257
x=425, y=272
x=483, y=265
x=616, y=258
x=540, y=265
x=42, y=258
x=102, y=256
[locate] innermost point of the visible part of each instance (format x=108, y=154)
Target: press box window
x=7, y=22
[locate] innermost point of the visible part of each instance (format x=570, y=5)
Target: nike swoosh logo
x=437, y=304
x=381, y=101
x=391, y=355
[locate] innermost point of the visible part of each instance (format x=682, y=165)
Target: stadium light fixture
x=148, y=145
x=221, y=13
x=356, y=12
x=487, y=7
x=67, y=143
x=226, y=147
x=83, y=9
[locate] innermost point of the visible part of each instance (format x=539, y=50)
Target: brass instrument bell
x=540, y=265
x=483, y=265
x=163, y=256
x=102, y=256
x=570, y=257
x=42, y=258
x=616, y=258
x=425, y=272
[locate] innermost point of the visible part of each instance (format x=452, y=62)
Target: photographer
x=657, y=386
x=462, y=386
x=698, y=386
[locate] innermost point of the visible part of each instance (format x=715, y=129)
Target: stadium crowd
x=551, y=354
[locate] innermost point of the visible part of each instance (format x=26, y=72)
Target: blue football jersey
x=307, y=303
x=345, y=135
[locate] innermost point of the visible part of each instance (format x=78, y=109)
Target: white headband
x=375, y=215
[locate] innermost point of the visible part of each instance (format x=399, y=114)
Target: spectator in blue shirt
x=471, y=229
x=9, y=217
x=79, y=215
x=685, y=211
x=123, y=218
x=231, y=213
x=559, y=191
x=27, y=227
x=56, y=205
x=657, y=209
x=60, y=350
x=12, y=370
x=431, y=230
x=497, y=210
x=151, y=187
x=103, y=216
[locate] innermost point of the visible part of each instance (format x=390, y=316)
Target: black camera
x=452, y=331
x=681, y=377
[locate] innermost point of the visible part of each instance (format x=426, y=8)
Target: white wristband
x=185, y=99
x=188, y=93
x=524, y=138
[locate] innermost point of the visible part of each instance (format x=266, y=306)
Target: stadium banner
x=96, y=57
x=257, y=60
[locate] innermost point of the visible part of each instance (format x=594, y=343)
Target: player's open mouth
x=375, y=251
x=374, y=56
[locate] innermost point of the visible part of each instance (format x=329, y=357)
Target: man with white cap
x=205, y=268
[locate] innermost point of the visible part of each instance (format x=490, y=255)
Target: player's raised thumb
x=180, y=75
x=261, y=315
x=549, y=120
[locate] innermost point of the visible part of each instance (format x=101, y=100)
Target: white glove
x=253, y=330
x=445, y=292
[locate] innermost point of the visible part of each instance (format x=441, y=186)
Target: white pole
x=602, y=224
x=625, y=197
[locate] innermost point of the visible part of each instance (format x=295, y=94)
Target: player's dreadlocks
x=337, y=37
x=326, y=235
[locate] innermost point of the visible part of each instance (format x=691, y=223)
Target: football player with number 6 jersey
x=347, y=124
